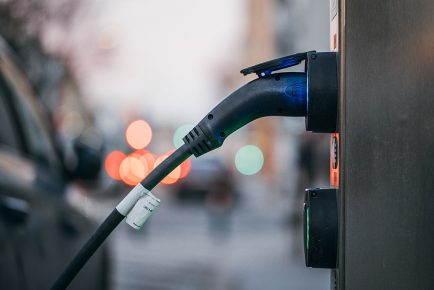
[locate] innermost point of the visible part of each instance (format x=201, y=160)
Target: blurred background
x=94, y=94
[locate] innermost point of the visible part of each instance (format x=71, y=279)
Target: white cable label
x=143, y=209
x=125, y=206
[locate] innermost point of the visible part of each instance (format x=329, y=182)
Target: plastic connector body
x=280, y=94
x=312, y=94
x=142, y=210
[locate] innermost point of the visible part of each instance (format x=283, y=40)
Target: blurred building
x=275, y=29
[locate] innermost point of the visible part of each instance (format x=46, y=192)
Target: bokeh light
x=145, y=157
x=173, y=176
x=132, y=170
x=249, y=160
x=113, y=162
x=185, y=168
x=180, y=133
x=138, y=134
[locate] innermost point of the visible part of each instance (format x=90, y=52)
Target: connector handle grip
x=280, y=94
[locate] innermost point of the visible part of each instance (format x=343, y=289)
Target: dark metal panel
x=387, y=143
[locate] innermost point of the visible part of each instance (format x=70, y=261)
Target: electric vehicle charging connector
x=312, y=94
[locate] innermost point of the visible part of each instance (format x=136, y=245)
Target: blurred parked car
x=208, y=176
x=39, y=231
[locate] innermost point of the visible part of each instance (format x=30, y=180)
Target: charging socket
x=321, y=227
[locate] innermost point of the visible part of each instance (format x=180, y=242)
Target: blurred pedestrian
x=219, y=204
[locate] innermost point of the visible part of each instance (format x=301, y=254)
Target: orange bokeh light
x=185, y=168
x=132, y=170
x=113, y=162
x=138, y=134
x=173, y=176
x=146, y=157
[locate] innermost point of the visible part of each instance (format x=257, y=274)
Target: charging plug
x=312, y=94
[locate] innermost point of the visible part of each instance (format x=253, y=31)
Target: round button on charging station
x=321, y=228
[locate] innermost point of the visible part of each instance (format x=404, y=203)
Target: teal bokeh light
x=180, y=133
x=249, y=160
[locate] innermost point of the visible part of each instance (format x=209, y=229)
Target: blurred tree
x=22, y=24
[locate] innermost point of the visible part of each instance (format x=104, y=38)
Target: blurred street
x=95, y=95
x=178, y=251
x=313, y=124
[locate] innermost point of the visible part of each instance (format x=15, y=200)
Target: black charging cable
x=115, y=217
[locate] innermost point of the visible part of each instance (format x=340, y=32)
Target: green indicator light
x=180, y=133
x=307, y=228
x=249, y=160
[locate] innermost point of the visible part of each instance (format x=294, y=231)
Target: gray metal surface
x=387, y=124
